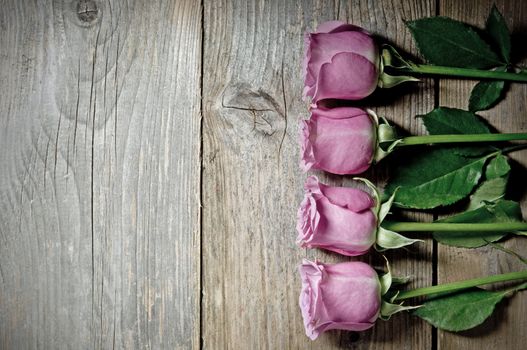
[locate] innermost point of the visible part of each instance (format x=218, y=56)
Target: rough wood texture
x=99, y=219
x=101, y=175
x=506, y=329
x=252, y=184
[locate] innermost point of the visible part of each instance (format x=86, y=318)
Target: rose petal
x=308, y=219
x=307, y=159
x=338, y=112
x=340, y=146
x=333, y=226
x=340, y=296
x=309, y=79
x=349, y=76
x=352, y=198
x=343, y=230
x=324, y=46
x=309, y=301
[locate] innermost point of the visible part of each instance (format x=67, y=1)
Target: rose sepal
x=388, y=307
x=386, y=134
x=391, y=58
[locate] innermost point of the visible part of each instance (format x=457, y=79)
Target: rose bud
x=348, y=296
x=347, y=140
x=341, y=296
x=339, y=140
x=341, y=62
x=339, y=219
x=344, y=220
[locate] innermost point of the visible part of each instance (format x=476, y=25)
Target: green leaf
x=489, y=191
x=486, y=94
x=446, y=42
x=460, y=311
x=501, y=211
x=499, y=33
x=494, y=185
x=472, y=151
x=497, y=167
x=444, y=120
x=464, y=310
x=435, y=178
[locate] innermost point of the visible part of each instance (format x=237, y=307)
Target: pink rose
x=339, y=219
x=340, y=140
x=340, y=296
x=341, y=62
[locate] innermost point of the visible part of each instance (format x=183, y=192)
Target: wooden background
x=149, y=174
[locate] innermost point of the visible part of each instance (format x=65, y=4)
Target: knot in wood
x=265, y=115
x=87, y=10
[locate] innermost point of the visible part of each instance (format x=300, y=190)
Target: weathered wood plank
x=506, y=329
x=252, y=184
x=99, y=174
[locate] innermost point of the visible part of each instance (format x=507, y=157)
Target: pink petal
x=338, y=296
x=341, y=146
x=343, y=230
x=338, y=112
x=324, y=46
x=307, y=159
x=309, y=79
x=349, y=76
x=352, y=198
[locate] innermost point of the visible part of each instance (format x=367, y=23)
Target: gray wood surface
x=99, y=219
x=149, y=176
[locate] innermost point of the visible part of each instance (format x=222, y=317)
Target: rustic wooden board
x=99, y=171
x=252, y=184
x=506, y=329
x=101, y=177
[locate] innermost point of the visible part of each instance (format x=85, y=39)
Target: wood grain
x=99, y=219
x=252, y=184
x=101, y=177
x=506, y=329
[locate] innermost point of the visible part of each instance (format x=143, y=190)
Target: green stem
x=454, y=227
x=427, y=139
x=460, y=285
x=462, y=72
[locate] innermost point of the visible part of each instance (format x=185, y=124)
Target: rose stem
x=457, y=138
x=463, y=72
x=455, y=286
x=454, y=227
